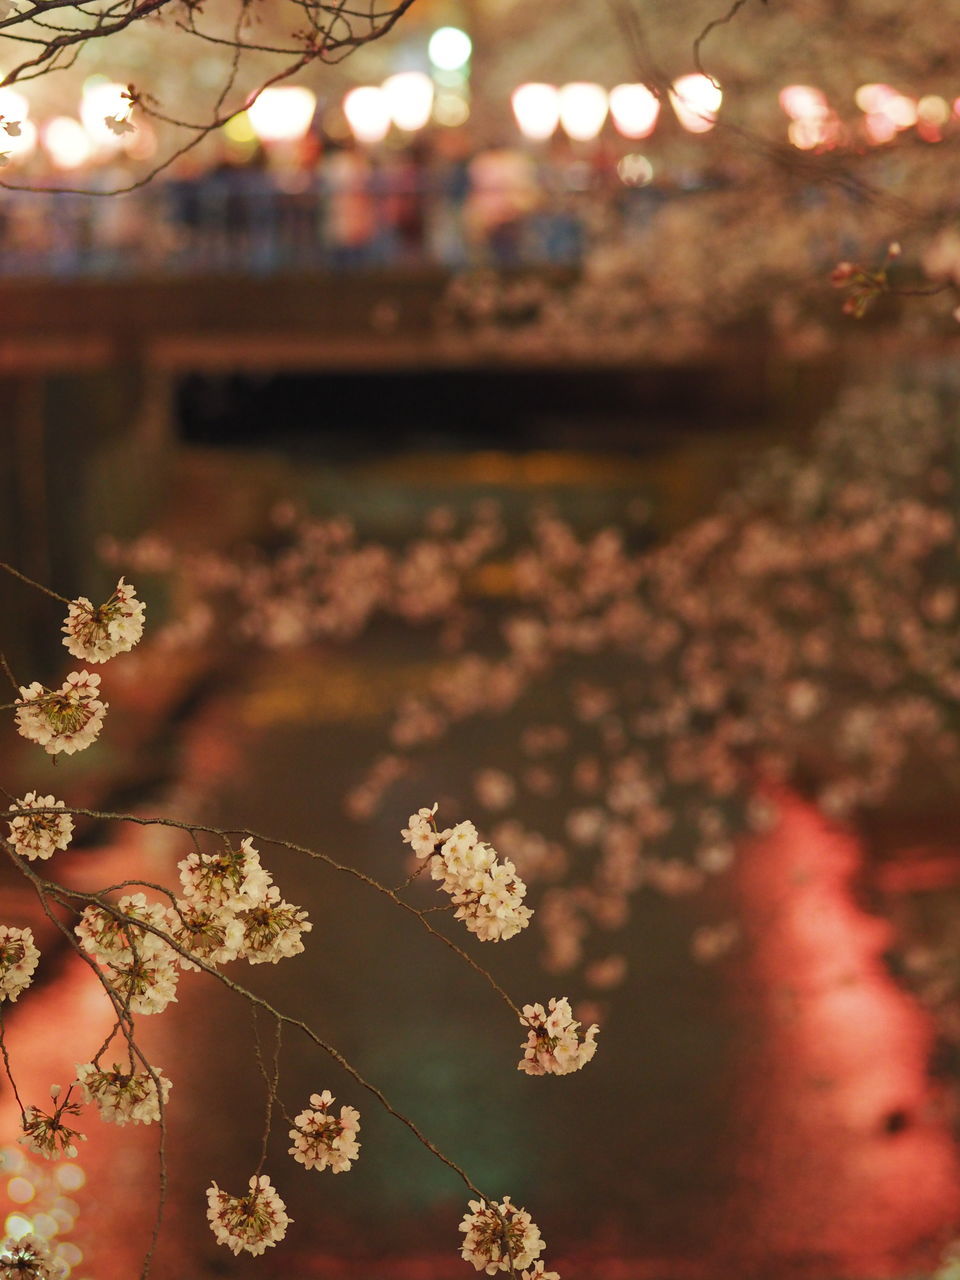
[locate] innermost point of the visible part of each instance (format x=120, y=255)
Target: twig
x=54, y=595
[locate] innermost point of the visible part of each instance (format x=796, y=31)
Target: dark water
x=768, y=1115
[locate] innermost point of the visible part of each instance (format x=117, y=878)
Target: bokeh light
x=16, y=1225
x=21, y=1190
x=67, y=142
x=451, y=109
x=634, y=170
x=449, y=48
x=70, y=1176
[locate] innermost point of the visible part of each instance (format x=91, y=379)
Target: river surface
x=770, y=1114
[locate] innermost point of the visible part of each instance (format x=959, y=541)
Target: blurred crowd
x=342, y=209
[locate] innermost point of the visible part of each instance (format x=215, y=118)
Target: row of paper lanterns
x=580, y=109
x=405, y=101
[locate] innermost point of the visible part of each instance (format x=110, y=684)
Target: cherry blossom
x=28, y=1258
x=552, y=1046
x=110, y=935
x=213, y=934
x=537, y=1272
x=484, y=1244
x=67, y=719
x=273, y=929
x=421, y=833
x=98, y=634
x=487, y=893
x=123, y=1095
x=140, y=966
x=322, y=1140
x=40, y=836
x=18, y=960
x=251, y=1223
x=233, y=879
x=144, y=982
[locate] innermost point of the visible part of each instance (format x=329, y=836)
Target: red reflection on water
x=845, y=1149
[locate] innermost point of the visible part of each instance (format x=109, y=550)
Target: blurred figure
x=351, y=223
x=503, y=190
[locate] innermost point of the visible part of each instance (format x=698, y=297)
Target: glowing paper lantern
x=449, y=48
x=583, y=109
x=536, y=108
x=67, y=142
x=634, y=109
x=696, y=100
x=368, y=113
x=282, y=113
x=409, y=97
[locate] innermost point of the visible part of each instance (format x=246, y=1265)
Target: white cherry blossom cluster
x=18, y=960
x=273, y=929
x=97, y=634
x=553, y=1046
x=251, y=1223
x=65, y=720
x=140, y=966
x=123, y=1095
x=322, y=1140
x=504, y=1241
x=40, y=835
x=487, y=892
x=233, y=878
x=214, y=934
x=29, y=1258
x=232, y=909
x=70, y=718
